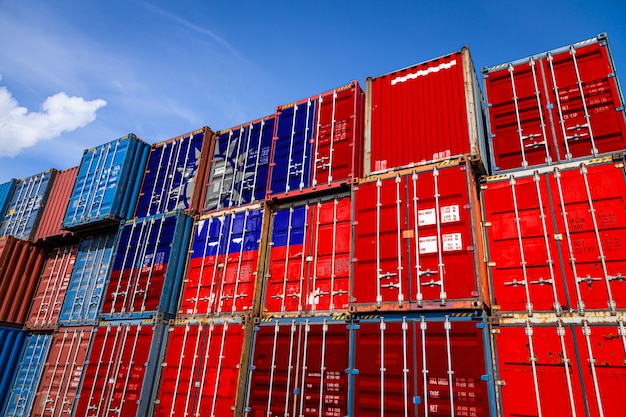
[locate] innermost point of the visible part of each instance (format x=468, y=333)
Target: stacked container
x=49, y=231
x=554, y=222
x=6, y=192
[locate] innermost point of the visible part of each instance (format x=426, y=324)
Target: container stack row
x=414, y=249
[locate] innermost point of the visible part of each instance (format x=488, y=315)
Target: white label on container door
x=426, y=217
x=451, y=242
x=450, y=214
x=217, y=187
x=220, y=170
x=428, y=244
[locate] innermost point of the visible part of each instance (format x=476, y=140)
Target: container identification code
x=449, y=214
x=450, y=242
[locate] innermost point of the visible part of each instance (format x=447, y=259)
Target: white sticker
x=426, y=217
x=450, y=214
x=428, y=244
x=220, y=170
x=217, y=187
x=452, y=242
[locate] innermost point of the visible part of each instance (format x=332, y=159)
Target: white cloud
x=60, y=113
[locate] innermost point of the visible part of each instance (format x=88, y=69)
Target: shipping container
x=556, y=237
x=85, y=290
x=561, y=366
x=422, y=365
x=62, y=372
x=22, y=393
x=49, y=230
x=12, y=341
x=427, y=112
x=50, y=293
x=225, y=259
x=29, y=198
x=175, y=174
x=21, y=264
x=239, y=166
x=202, y=368
x=554, y=107
x=148, y=267
x=6, y=192
x=417, y=240
x=309, y=263
x=121, y=369
x=107, y=185
x=298, y=368
x=318, y=143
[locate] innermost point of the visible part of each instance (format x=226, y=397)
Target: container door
x=602, y=352
x=583, y=88
x=24, y=210
x=380, y=244
x=520, y=123
x=590, y=202
x=201, y=370
x=538, y=371
x=298, y=368
x=292, y=148
x=523, y=247
x=336, y=137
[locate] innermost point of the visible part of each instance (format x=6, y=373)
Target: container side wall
x=12, y=343
x=6, y=192
x=56, y=205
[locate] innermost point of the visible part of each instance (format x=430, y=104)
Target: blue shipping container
x=11, y=347
x=292, y=147
x=240, y=164
x=148, y=267
x=107, y=185
x=26, y=205
x=6, y=192
x=172, y=174
x=85, y=289
x=22, y=394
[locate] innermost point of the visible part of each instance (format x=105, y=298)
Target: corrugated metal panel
x=107, y=184
x=49, y=229
x=298, y=367
x=561, y=367
x=317, y=143
x=24, y=210
x=557, y=238
x=120, y=372
x=175, y=173
x=422, y=365
x=6, y=192
x=201, y=369
x=240, y=164
x=85, y=289
x=224, y=263
x=48, y=298
x=417, y=240
x=22, y=393
x=554, y=107
x=148, y=267
x=21, y=263
x=62, y=372
x=11, y=347
x=424, y=113
x=309, y=257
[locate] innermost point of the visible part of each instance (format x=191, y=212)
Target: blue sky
x=76, y=74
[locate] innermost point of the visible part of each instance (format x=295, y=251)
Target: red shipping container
x=423, y=366
x=556, y=106
x=119, y=376
x=227, y=249
x=50, y=293
x=424, y=113
x=317, y=144
x=62, y=372
x=21, y=263
x=298, y=368
x=417, y=241
x=49, y=229
x=201, y=369
x=309, y=257
x=557, y=237
x=561, y=367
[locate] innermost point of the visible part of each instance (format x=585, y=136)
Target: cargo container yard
x=393, y=251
